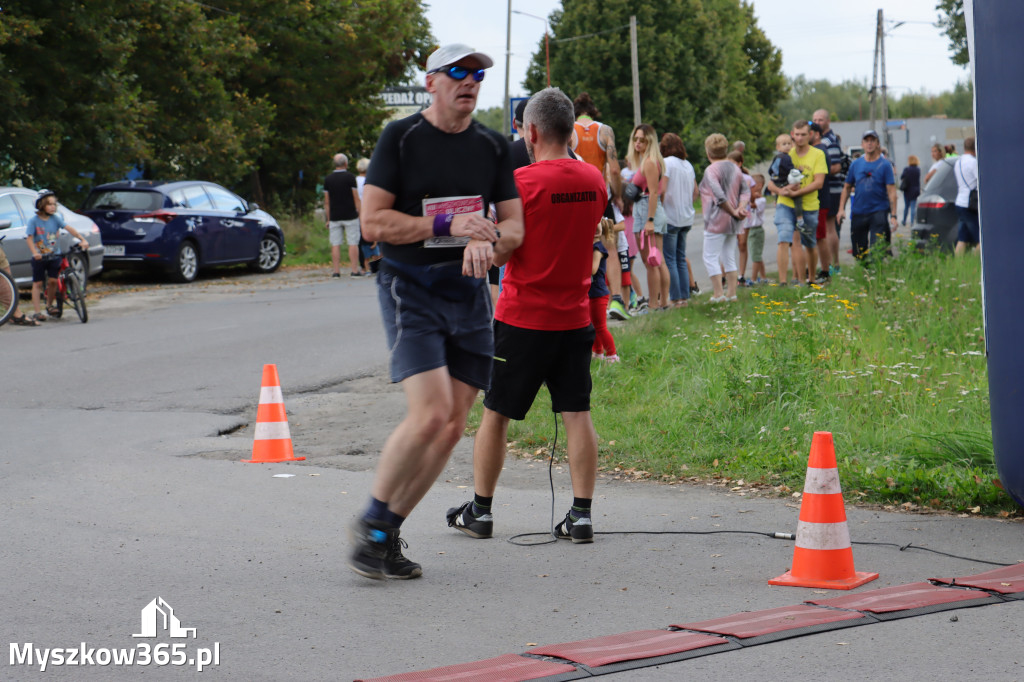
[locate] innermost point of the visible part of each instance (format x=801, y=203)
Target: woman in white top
x=680, y=193
x=937, y=156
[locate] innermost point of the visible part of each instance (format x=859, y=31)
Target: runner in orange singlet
x=595, y=144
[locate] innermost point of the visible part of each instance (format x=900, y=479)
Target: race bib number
x=454, y=206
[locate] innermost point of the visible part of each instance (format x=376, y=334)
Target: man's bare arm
x=382, y=222
x=612, y=159
x=510, y=224
x=842, y=201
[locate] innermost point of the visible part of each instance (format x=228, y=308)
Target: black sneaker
x=369, y=548
x=461, y=518
x=579, y=531
x=395, y=565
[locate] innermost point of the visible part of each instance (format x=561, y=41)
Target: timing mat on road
x=643, y=648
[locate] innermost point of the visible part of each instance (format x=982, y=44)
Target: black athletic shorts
x=526, y=358
x=426, y=331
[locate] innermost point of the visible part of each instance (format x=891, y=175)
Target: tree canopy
x=954, y=25
x=851, y=100
x=254, y=94
x=705, y=66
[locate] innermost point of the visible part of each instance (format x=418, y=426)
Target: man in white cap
x=431, y=179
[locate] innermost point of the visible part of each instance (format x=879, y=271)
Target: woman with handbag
x=966, y=171
x=649, y=218
x=724, y=199
x=910, y=185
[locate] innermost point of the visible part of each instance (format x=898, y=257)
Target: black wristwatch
x=650, y=220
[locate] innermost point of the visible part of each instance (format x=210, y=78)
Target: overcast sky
x=841, y=43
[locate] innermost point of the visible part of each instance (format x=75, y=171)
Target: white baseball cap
x=449, y=54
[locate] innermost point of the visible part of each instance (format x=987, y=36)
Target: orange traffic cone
x=272, y=441
x=823, y=556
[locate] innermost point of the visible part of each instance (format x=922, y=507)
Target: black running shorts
x=526, y=358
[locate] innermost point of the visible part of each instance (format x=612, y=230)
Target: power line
x=590, y=35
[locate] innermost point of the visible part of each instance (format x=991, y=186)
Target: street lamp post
x=547, y=51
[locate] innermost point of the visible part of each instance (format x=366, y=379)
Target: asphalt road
x=120, y=483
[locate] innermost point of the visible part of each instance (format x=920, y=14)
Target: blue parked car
x=181, y=227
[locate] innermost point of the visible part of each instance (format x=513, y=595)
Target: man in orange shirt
x=595, y=144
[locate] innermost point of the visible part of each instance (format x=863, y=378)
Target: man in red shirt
x=542, y=330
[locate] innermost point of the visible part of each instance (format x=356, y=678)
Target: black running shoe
x=461, y=518
x=579, y=531
x=369, y=548
x=395, y=565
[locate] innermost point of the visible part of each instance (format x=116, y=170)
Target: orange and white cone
x=272, y=441
x=823, y=556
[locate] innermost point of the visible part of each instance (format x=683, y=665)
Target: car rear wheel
x=186, y=264
x=269, y=258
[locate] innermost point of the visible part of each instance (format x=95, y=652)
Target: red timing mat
x=506, y=668
x=899, y=598
x=628, y=646
x=1006, y=580
x=756, y=623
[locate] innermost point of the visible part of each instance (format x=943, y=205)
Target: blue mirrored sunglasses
x=460, y=72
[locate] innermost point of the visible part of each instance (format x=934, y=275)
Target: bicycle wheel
x=75, y=295
x=8, y=297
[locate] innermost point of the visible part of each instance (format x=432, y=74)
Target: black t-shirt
x=415, y=161
x=823, y=193
x=520, y=157
x=339, y=186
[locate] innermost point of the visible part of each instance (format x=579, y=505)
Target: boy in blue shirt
x=43, y=233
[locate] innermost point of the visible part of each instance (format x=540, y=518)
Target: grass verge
x=889, y=358
x=306, y=240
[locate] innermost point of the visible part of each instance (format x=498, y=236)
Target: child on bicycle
x=43, y=241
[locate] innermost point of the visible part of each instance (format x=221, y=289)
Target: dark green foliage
x=227, y=91
x=954, y=25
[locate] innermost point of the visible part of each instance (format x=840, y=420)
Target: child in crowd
x=604, y=239
x=736, y=157
x=783, y=173
x=43, y=233
x=622, y=253
x=633, y=293
x=755, y=231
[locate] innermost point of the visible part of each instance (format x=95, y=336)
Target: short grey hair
x=362, y=164
x=552, y=112
x=340, y=161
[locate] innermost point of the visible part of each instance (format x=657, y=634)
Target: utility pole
x=636, y=70
x=874, y=71
x=506, y=116
x=886, y=141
